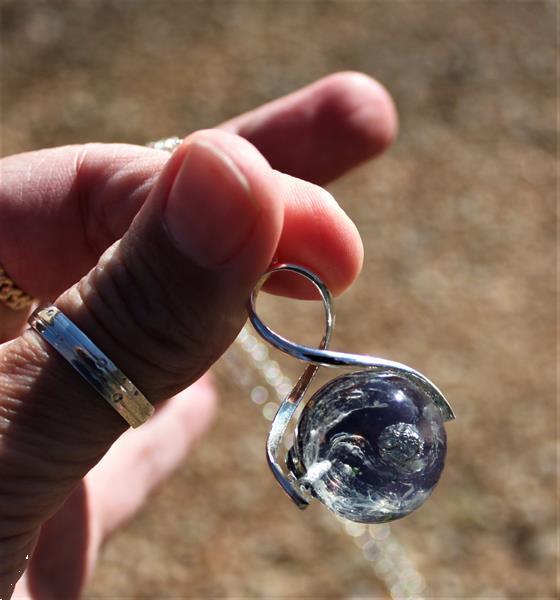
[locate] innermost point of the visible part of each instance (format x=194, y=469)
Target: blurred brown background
x=458, y=221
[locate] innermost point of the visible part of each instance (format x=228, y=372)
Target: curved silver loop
x=317, y=357
x=289, y=405
x=327, y=358
x=277, y=340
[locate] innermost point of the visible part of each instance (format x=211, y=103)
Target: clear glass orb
x=369, y=446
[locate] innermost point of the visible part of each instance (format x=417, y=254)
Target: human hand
x=165, y=252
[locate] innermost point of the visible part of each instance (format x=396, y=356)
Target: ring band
x=11, y=295
x=92, y=364
x=169, y=144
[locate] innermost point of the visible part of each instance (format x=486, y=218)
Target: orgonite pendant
x=370, y=445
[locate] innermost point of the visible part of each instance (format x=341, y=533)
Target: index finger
x=324, y=129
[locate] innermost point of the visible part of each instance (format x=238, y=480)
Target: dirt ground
x=458, y=221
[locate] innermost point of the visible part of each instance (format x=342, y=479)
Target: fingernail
x=211, y=210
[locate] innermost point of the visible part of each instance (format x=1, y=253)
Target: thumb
x=169, y=298
x=163, y=303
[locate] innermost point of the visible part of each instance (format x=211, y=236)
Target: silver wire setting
x=400, y=446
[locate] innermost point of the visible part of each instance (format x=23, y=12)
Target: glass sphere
x=369, y=446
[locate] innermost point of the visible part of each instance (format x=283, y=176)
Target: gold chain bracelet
x=11, y=295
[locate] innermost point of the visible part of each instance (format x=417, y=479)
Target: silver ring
x=92, y=364
x=169, y=144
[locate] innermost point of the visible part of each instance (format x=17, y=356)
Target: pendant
x=370, y=444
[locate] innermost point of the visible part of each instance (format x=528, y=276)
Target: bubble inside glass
x=369, y=446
